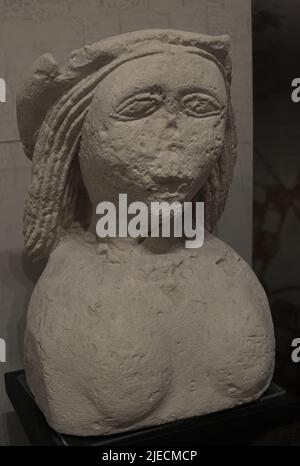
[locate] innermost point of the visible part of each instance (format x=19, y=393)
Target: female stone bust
x=123, y=334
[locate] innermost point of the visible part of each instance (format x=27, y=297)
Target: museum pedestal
x=238, y=426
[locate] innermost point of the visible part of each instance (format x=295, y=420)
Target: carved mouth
x=172, y=184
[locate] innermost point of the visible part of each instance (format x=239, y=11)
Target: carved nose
x=171, y=108
x=172, y=120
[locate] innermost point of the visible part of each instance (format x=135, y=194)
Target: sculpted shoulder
x=217, y=255
x=78, y=258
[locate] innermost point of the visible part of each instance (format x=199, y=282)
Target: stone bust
x=121, y=333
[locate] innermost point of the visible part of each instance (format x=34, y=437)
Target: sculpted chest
x=160, y=324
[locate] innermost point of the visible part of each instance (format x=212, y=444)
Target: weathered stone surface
x=124, y=334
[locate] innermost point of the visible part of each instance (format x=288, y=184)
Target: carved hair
x=52, y=108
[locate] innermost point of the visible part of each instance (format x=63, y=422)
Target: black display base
x=238, y=426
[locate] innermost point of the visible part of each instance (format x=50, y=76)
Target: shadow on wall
x=277, y=173
x=25, y=272
x=18, y=275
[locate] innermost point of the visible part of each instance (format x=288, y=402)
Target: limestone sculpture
x=122, y=333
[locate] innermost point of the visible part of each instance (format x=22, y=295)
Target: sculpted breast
x=118, y=345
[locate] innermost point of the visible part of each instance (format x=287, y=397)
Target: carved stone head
x=146, y=113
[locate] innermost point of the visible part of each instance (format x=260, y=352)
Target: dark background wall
x=276, y=253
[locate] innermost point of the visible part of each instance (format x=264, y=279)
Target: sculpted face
x=155, y=129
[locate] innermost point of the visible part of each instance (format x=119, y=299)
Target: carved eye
x=200, y=105
x=138, y=106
